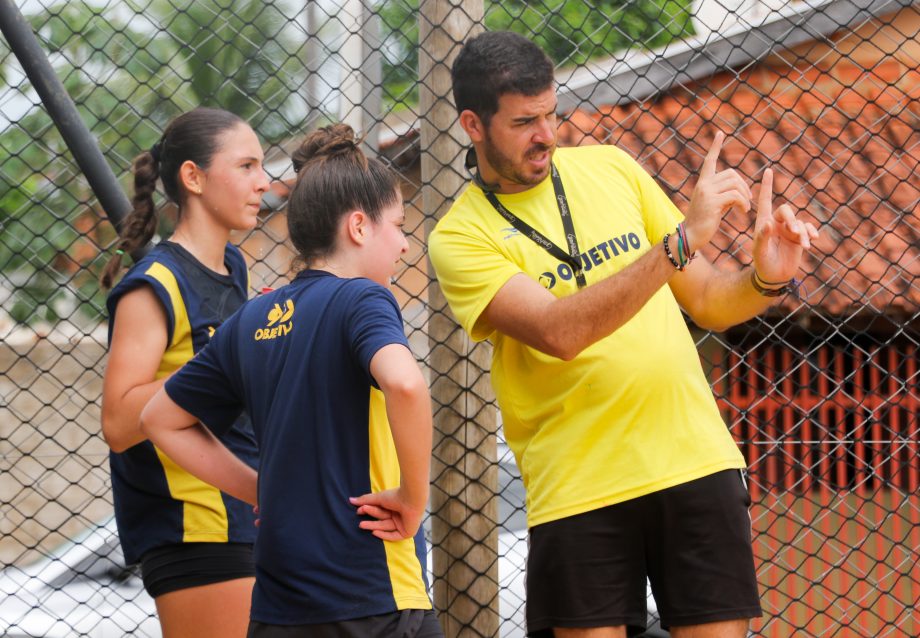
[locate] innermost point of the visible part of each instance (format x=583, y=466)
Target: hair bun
x=327, y=142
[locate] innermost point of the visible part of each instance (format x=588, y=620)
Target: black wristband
x=785, y=287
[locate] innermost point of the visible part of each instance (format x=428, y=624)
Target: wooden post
x=361, y=76
x=314, y=94
x=464, y=506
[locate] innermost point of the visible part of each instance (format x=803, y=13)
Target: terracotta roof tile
x=844, y=143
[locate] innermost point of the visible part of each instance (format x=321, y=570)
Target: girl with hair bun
x=193, y=542
x=340, y=409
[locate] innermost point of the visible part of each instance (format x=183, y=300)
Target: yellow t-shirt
x=633, y=413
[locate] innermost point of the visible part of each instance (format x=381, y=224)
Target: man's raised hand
x=715, y=193
x=779, y=236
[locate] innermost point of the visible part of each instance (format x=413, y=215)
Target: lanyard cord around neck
x=573, y=256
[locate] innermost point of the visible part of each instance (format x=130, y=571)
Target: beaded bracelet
x=765, y=287
x=667, y=251
x=684, y=256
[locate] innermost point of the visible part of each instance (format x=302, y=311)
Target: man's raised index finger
x=766, y=188
x=765, y=197
x=712, y=156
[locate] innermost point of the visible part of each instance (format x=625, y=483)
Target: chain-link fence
x=821, y=393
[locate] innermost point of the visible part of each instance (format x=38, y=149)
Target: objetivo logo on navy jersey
x=279, y=322
x=592, y=257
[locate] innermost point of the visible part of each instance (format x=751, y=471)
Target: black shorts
x=692, y=542
x=408, y=623
x=174, y=567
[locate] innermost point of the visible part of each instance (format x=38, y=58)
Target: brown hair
x=334, y=177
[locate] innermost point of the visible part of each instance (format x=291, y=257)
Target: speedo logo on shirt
x=592, y=257
x=279, y=322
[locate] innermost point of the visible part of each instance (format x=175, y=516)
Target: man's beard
x=506, y=168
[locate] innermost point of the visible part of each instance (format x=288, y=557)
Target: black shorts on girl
x=408, y=623
x=692, y=542
x=184, y=565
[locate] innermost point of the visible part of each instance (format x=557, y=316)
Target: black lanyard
x=573, y=257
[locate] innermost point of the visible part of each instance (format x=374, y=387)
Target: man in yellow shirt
x=560, y=258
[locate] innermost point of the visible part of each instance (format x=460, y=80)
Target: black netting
x=820, y=393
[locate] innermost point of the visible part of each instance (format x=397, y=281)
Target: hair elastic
x=155, y=151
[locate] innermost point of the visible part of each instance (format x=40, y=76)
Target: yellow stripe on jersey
x=204, y=515
x=180, y=348
x=402, y=562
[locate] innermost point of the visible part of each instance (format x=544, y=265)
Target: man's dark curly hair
x=495, y=63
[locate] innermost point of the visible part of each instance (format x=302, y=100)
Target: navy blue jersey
x=156, y=502
x=297, y=360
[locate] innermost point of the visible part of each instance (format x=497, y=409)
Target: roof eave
x=639, y=75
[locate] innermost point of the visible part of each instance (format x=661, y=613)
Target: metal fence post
x=80, y=141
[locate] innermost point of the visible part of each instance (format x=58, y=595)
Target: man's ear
x=473, y=126
x=191, y=177
x=356, y=226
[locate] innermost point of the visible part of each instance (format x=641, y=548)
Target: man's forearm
x=588, y=316
x=728, y=299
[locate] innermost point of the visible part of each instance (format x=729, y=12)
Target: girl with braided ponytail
x=340, y=409
x=193, y=542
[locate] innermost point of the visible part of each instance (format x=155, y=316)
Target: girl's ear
x=356, y=226
x=191, y=177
